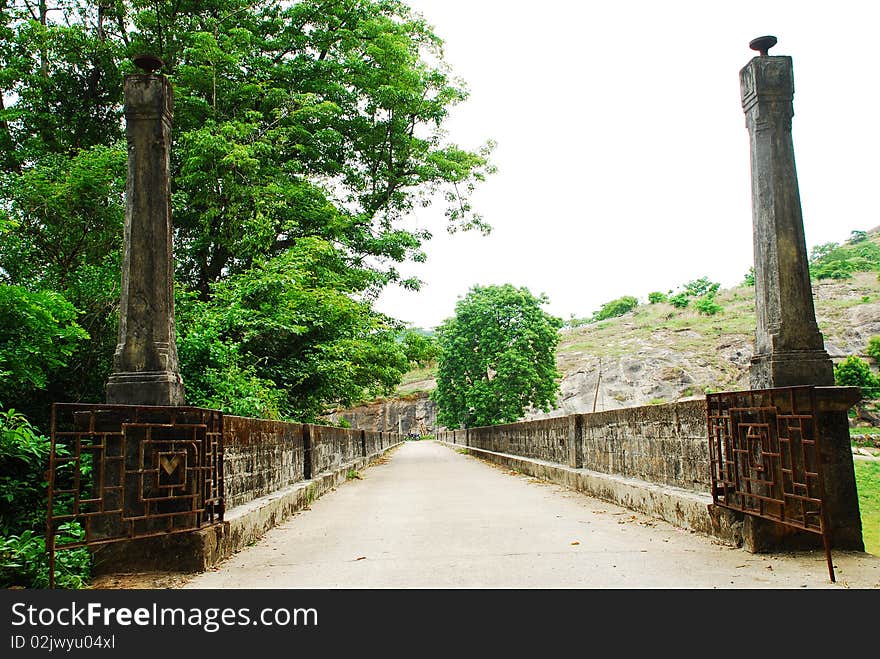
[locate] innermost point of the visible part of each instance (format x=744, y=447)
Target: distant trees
x=860, y=253
x=497, y=358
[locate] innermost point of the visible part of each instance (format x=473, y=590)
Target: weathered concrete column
x=145, y=366
x=789, y=349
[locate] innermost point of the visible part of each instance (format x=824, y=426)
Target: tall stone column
x=789, y=349
x=145, y=366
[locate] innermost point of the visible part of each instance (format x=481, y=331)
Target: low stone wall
x=262, y=456
x=271, y=470
x=545, y=439
x=660, y=444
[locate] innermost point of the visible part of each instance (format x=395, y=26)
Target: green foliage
x=38, y=334
x=700, y=287
x=702, y=291
x=868, y=486
x=749, y=279
x=707, y=305
x=305, y=121
x=873, y=348
x=420, y=349
x=679, y=300
x=855, y=372
x=24, y=561
x=616, y=308
x=833, y=261
x=497, y=357
x=24, y=458
x=656, y=297
x=292, y=333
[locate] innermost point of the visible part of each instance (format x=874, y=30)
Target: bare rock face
x=412, y=414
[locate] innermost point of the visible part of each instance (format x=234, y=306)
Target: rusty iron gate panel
x=765, y=457
x=127, y=471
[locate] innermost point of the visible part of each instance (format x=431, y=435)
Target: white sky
x=623, y=157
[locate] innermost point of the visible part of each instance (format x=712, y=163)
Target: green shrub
x=707, y=305
x=24, y=458
x=679, y=301
x=749, y=279
x=656, y=297
x=616, y=308
x=873, y=348
x=855, y=372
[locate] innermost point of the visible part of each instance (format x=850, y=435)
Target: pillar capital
x=148, y=96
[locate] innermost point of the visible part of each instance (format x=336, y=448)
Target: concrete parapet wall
x=545, y=439
x=261, y=456
x=662, y=444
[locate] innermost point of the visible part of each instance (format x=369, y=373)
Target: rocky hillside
x=657, y=353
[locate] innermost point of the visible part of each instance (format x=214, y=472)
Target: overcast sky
x=623, y=157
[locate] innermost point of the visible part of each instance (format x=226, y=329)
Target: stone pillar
x=145, y=367
x=789, y=349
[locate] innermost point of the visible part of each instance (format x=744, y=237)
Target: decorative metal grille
x=765, y=457
x=125, y=471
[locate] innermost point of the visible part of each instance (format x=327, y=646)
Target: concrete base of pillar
x=791, y=369
x=162, y=388
x=841, y=500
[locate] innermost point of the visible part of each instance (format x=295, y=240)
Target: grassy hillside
x=660, y=353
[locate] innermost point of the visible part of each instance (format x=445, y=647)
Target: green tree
x=38, y=334
x=420, y=349
x=303, y=121
x=497, y=357
x=656, y=297
x=855, y=372
x=616, y=308
x=700, y=287
x=290, y=338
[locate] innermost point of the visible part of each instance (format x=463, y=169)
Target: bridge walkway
x=429, y=516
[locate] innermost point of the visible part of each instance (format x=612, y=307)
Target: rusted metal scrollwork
x=765, y=457
x=124, y=472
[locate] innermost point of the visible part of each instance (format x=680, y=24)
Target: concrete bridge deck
x=431, y=517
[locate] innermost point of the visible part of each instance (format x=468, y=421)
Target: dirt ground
x=140, y=581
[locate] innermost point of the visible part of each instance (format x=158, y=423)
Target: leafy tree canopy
x=497, y=358
x=310, y=123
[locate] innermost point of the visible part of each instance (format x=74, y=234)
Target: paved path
x=430, y=517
